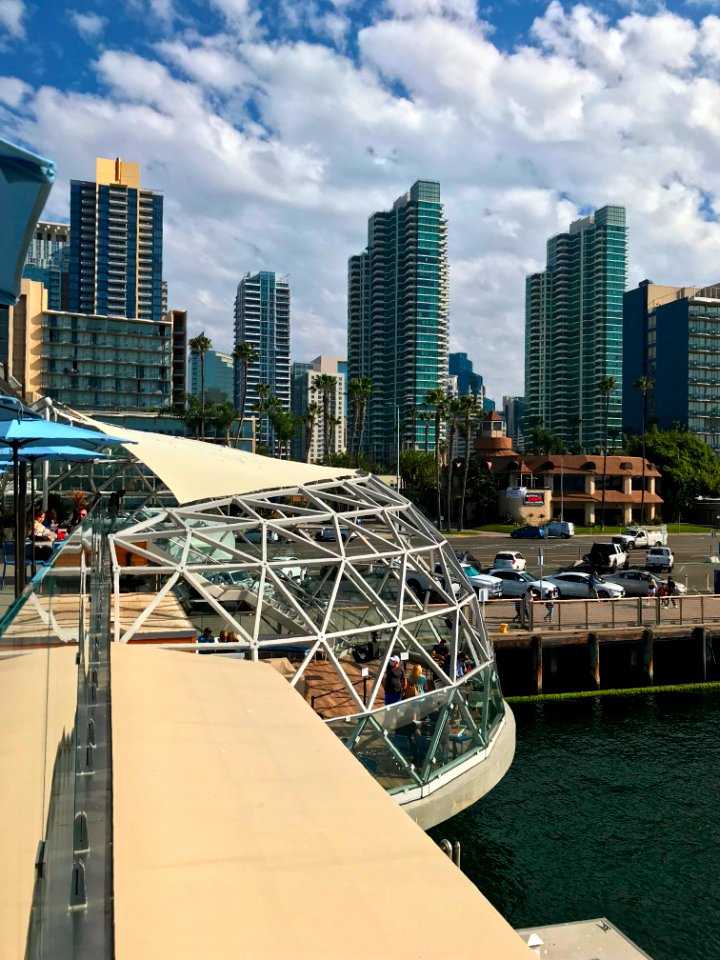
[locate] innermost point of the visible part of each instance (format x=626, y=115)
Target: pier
x=594, y=644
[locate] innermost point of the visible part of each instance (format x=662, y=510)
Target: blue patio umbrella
x=59, y=454
x=25, y=183
x=22, y=433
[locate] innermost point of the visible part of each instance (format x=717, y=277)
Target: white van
x=560, y=528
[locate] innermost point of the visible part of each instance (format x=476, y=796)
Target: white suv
x=510, y=560
x=660, y=558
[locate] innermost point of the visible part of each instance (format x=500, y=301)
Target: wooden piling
x=537, y=647
x=649, y=654
x=594, y=644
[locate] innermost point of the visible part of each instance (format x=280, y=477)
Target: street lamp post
x=562, y=489
x=397, y=465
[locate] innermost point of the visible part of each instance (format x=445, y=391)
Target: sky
x=274, y=128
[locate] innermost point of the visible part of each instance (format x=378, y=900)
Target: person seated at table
x=206, y=637
x=223, y=637
x=40, y=531
x=51, y=521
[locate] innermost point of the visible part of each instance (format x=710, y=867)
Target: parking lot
x=691, y=554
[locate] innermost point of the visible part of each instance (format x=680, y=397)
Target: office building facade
x=398, y=317
x=573, y=332
x=672, y=335
x=116, y=242
x=219, y=376
x=48, y=261
x=514, y=417
x=305, y=392
x=468, y=383
x=262, y=318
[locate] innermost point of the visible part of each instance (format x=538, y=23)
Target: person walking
x=592, y=585
x=651, y=593
x=672, y=590
x=550, y=608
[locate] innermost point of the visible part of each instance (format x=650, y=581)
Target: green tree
x=412, y=414
x=190, y=413
x=360, y=390
x=284, y=426
x=606, y=387
x=222, y=416
x=325, y=384
x=199, y=346
x=645, y=385
x=436, y=400
x=417, y=469
x=689, y=468
x=425, y=419
x=453, y=411
x=482, y=493
x=310, y=419
x=468, y=413
x=544, y=441
x=245, y=356
x=262, y=407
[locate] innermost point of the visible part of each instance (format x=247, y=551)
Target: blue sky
x=274, y=129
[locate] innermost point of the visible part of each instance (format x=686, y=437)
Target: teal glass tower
x=398, y=318
x=573, y=332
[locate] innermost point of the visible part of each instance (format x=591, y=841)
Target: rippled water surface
x=611, y=808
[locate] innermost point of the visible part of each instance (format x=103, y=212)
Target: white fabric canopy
x=194, y=470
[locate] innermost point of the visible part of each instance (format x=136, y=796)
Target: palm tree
x=310, y=419
x=335, y=422
x=325, y=385
x=426, y=420
x=244, y=355
x=454, y=409
x=222, y=416
x=284, y=426
x=263, y=406
x=436, y=399
x=199, y=346
x=469, y=411
x=412, y=414
x=360, y=390
x=606, y=387
x=644, y=384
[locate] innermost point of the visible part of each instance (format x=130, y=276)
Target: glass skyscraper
x=48, y=260
x=116, y=241
x=262, y=318
x=398, y=317
x=573, y=331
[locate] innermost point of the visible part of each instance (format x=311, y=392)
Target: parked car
x=422, y=583
x=516, y=583
x=509, y=560
x=660, y=558
x=329, y=534
x=636, y=582
x=528, y=533
x=255, y=535
x=293, y=570
x=483, y=581
x=642, y=537
x=607, y=557
x=560, y=528
x=577, y=586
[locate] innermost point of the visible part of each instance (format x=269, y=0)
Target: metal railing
x=628, y=612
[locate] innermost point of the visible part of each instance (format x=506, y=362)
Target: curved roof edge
x=194, y=470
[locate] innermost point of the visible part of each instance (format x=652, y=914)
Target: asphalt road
x=691, y=554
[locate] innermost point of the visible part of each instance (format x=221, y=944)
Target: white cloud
x=11, y=17
x=273, y=154
x=88, y=25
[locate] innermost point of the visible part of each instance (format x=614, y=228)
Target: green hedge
x=623, y=692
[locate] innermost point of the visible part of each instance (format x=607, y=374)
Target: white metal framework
x=329, y=579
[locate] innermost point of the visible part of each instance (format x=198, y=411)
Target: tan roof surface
x=244, y=828
x=194, y=470
x=36, y=689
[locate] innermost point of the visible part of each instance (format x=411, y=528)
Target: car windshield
x=470, y=571
x=524, y=576
x=631, y=532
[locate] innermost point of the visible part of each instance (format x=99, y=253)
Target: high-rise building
x=262, y=318
x=672, y=335
x=398, y=317
x=305, y=392
x=48, y=261
x=469, y=383
x=219, y=376
x=573, y=331
x=116, y=245
x=514, y=416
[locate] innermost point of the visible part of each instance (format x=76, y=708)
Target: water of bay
x=611, y=808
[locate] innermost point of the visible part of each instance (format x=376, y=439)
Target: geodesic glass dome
x=328, y=580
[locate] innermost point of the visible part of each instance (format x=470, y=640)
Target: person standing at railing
x=395, y=681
